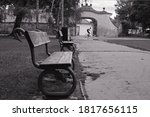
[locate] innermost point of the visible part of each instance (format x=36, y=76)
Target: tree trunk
x=20, y=14
x=18, y=21
x=143, y=29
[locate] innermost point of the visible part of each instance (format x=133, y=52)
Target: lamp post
x=37, y=13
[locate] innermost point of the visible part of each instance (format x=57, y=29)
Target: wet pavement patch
x=94, y=76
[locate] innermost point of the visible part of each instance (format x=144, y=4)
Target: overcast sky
x=108, y=4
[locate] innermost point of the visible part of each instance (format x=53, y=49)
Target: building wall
x=104, y=25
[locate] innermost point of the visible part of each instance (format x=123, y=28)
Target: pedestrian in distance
x=89, y=31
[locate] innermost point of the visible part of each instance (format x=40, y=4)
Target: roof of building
x=84, y=21
x=89, y=8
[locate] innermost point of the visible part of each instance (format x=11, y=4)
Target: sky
x=108, y=4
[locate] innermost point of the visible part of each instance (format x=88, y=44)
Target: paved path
x=114, y=71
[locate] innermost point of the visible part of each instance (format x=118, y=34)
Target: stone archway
x=94, y=21
x=104, y=26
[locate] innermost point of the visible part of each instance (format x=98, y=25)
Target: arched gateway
x=103, y=25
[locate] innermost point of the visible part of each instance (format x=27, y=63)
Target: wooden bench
x=58, y=66
x=66, y=44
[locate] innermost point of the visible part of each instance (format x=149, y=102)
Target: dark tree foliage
x=21, y=9
x=123, y=10
x=141, y=13
x=69, y=11
x=134, y=13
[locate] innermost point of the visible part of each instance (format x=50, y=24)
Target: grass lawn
x=138, y=44
x=18, y=76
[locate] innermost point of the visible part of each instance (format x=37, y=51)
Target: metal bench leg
x=52, y=84
x=72, y=48
x=73, y=64
x=68, y=47
x=61, y=48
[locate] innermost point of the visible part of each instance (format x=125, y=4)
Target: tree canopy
x=22, y=8
x=123, y=10
x=141, y=13
x=134, y=13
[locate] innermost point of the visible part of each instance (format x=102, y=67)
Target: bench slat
x=68, y=42
x=67, y=57
x=38, y=38
x=58, y=58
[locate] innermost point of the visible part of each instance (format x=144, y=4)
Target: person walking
x=89, y=31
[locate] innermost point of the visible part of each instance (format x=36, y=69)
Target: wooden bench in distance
x=53, y=64
x=65, y=44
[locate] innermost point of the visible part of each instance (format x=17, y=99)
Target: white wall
x=82, y=28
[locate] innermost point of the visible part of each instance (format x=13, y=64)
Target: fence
x=6, y=28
